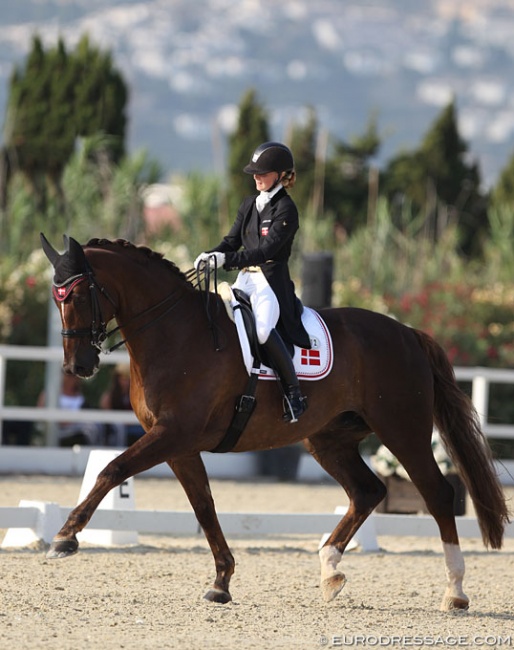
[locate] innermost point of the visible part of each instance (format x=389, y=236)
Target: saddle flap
x=310, y=365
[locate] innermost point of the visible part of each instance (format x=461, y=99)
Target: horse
x=387, y=378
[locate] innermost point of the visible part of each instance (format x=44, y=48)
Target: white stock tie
x=262, y=200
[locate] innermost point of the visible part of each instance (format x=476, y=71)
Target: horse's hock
x=403, y=497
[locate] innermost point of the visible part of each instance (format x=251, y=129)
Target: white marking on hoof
x=332, y=580
x=454, y=597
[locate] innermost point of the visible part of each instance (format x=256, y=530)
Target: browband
x=62, y=291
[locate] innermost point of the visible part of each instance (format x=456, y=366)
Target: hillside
x=188, y=63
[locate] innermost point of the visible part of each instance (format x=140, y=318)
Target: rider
x=265, y=228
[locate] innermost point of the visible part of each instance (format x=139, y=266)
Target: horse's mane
x=142, y=251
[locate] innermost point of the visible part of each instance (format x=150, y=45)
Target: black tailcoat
x=266, y=240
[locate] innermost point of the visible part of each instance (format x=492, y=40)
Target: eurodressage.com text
x=408, y=641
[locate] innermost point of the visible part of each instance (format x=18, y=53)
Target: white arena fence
x=116, y=522
x=54, y=460
x=39, y=520
x=480, y=378
x=34, y=521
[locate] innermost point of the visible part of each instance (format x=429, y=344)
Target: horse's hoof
x=330, y=587
x=218, y=596
x=62, y=548
x=452, y=603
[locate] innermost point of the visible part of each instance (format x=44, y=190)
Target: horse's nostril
x=85, y=372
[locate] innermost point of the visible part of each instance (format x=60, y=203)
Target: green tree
x=440, y=180
x=53, y=99
x=303, y=142
x=100, y=97
x=347, y=178
x=502, y=194
x=252, y=129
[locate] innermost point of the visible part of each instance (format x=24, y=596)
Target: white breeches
x=264, y=302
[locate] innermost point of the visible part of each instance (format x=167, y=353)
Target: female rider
x=259, y=245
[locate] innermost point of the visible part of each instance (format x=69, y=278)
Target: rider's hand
x=216, y=260
x=203, y=257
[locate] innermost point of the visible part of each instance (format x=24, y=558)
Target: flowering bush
x=386, y=464
x=475, y=326
x=24, y=296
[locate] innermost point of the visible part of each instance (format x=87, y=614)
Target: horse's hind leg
x=341, y=459
x=191, y=473
x=438, y=495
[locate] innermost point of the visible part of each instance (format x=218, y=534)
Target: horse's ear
x=49, y=250
x=75, y=251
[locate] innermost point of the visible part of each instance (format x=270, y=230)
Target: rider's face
x=263, y=182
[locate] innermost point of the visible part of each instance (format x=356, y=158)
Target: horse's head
x=77, y=295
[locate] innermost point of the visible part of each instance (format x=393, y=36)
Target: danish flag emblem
x=310, y=357
x=264, y=231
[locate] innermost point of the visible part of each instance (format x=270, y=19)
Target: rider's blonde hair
x=288, y=178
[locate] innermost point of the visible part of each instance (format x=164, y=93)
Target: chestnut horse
x=387, y=378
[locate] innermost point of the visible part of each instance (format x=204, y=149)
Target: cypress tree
x=303, y=145
x=347, y=178
x=57, y=97
x=503, y=192
x=252, y=130
x=440, y=180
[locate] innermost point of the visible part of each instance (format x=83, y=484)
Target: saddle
x=244, y=305
x=311, y=364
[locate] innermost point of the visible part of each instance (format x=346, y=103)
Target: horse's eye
x=79, y=299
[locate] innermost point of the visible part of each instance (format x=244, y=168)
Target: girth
x=246, y=403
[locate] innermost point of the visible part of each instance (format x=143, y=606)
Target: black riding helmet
x=270, y=157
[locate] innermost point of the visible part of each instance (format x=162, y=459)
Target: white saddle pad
x=310, y=365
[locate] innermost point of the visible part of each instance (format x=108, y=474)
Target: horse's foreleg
x=365, y=491
x=191, y=473
x=143, y=454
x=65, y=543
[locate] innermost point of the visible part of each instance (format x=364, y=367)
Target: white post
x=121, y=498
x=3, y=364
x=480, y=397
x=53, y=372
x=47, y=524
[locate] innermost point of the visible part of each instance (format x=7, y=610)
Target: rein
x=98, y=328
x=203, y=281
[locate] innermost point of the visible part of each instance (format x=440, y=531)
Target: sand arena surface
x=151, y=596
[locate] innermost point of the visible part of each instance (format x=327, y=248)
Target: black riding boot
x=294, y=403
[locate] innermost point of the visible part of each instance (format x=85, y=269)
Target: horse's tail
x=459, y=426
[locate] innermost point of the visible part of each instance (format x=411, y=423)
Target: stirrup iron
x=294, y=407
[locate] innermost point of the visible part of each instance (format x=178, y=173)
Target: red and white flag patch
x=62, y=291
x=310, y=357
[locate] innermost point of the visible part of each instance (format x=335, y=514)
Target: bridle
x=97, y=331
